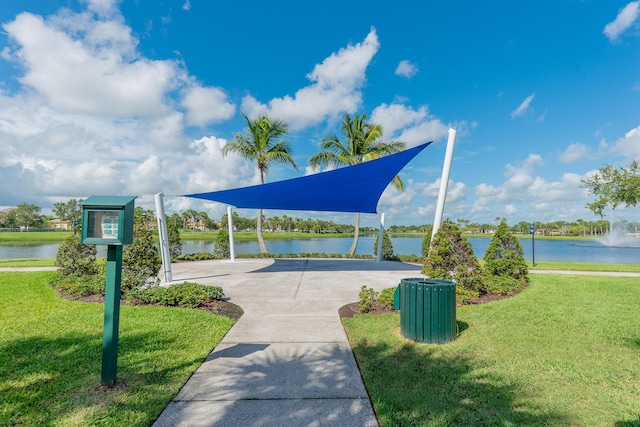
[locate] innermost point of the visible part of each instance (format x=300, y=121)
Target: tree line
x=28, y=216
x=575, y=228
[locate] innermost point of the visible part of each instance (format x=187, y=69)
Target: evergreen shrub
x=504, y=262
x=452, y=258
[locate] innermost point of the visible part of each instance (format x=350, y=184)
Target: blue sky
x=138, y=97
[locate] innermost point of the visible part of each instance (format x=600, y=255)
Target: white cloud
x=83, y=64
x=625, y=19
x=93, y=116
x=524, y=195
x=103, y=7
x=394, y=203
x=400, y=122
x=406, y=69
x=186, y=5
x=523, y=107
x=629, y=145
x=205, y=105
x=574, y=153
x=165, y=132
x=336, y=88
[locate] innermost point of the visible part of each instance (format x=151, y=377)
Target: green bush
x=504, y=285
x=189, y=294
x=221, y=247
x=387, y=247
x=81, y=286
x=186, y=294
x=140, y=260
x=386, y=297
x=452, y=258
x=368, y=298
x=75, y=258
x=199, y=256
x=410, y=258
x=463, y=295
x=152, y=295
x=504, y=255
x=173, y=235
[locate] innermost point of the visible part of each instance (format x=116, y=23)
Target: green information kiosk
x=108, y=220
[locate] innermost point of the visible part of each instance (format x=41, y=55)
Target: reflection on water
x=545, y=250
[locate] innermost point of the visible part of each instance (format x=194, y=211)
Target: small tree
x=173, y=235
x=504, y=262
x=221, y=245
x=452, y=258
x=613, y=187
x=140, y=260
x=387, y=247
x=504, y=256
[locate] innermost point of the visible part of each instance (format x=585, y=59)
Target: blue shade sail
x=354, y=188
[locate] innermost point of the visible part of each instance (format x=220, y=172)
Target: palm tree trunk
x=263, y=247
x=356, y=235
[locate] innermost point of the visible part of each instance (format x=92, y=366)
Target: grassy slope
x=50, y=357
x=564, y=352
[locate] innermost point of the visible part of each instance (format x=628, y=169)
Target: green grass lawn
x=34, y=237
x=585, y=266
x=565, y=352
x=50, y=357
x=27, y=262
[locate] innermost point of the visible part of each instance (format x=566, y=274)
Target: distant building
x=3, y=215
x=58, y=224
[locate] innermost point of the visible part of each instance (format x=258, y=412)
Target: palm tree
x=362, y=143
x=261, y=144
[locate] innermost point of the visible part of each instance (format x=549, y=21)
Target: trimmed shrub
x=387, y=247
x=186, y=294
x=189, y=294
x=452, y=258
x=81, y=286
x=504, y=285
x=152, y=295
x=504, y=256
x=386, y=297
x=75, y=258
x=504, y=262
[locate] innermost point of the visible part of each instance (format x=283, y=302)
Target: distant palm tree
x=362, y=143
x=261, y=144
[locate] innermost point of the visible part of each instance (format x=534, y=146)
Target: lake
x=545, y=250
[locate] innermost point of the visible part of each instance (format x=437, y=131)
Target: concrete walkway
x=287, y=361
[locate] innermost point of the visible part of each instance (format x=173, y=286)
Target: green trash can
x=428, y=310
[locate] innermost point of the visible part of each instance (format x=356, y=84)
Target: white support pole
x=232, y=248
x=380, y=237
x=163, y=237
x=444, y=181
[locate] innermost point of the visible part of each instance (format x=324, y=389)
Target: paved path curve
x=287, y=361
